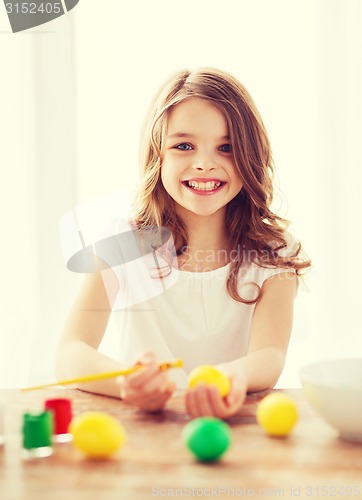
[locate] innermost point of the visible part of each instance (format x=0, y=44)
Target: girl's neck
x=207, y=247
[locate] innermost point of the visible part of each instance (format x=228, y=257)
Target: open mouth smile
x=204, y=187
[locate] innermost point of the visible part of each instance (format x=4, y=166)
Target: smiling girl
x=207, y=178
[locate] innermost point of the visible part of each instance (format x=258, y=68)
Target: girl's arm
x=83, y=331
x=264, y=362
x=78, y=354
x=269, y=335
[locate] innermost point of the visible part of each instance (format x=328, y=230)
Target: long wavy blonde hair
x=250, y=223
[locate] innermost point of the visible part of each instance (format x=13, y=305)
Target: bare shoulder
x=283, y=282
x=273, y=316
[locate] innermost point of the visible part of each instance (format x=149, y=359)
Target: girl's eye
x=183, y=147
x=225, y=148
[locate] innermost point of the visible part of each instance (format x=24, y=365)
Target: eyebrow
x=184, y=134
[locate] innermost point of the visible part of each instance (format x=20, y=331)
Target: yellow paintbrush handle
x=178, y=363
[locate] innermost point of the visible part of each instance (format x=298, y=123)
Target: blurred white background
x=73, y=94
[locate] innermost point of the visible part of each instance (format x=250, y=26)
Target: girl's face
x=197, y=170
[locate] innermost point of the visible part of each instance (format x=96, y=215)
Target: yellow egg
x=97, y=434
x=277, y=414
x=211, y=376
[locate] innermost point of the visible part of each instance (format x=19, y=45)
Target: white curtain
x=337, y=222
x=39, y=183
x=19, y=283
x=72, y=101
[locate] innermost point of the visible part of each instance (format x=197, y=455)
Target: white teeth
x=204, y=186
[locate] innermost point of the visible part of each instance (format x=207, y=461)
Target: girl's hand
x=205, y=400
x=148, y=388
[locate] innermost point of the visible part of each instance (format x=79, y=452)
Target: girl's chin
x=186, y=211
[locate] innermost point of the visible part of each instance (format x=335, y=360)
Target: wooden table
x=311, y=463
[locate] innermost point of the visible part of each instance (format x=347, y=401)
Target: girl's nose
x=204, y=164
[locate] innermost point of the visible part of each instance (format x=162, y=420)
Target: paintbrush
x=177, y=363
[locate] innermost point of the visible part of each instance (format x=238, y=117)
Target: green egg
x=207, y=438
